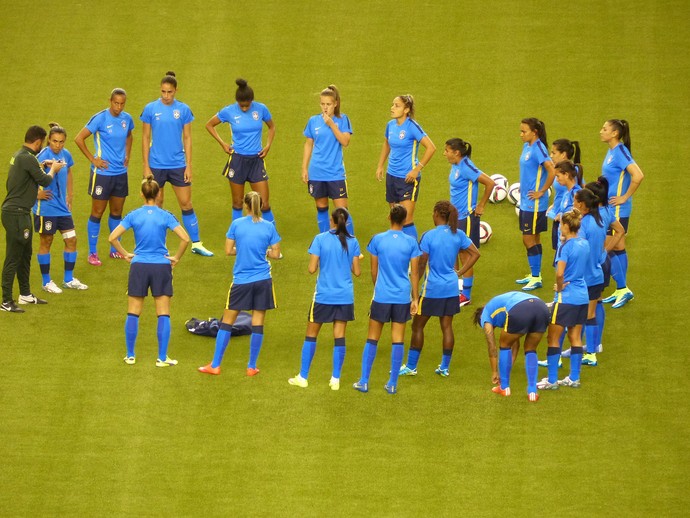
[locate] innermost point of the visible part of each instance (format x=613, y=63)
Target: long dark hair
x=340, y=217
x=457, y=144
x=537, y=126
x=571, y=148
x=449, y=213
x=591, y=201
x=601, y=189
x=623, y=129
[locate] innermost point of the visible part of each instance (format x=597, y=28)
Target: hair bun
x=170, y=73
x=242, y=83
x=52, y=125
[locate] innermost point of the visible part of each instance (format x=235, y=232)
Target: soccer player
x=566, y=177
x=624, y=177
x=323, y=169
x=562, y=149
x=439, y=298
x=464, y=181
x=23, y=179
x=112, y=135
x=403, y=136
x=248, y=238
x=167, y=153
x=571, y=301
x=246, y=119
x=517, y=314
x=536, y=176
x=151, y=267
x=393, y=255
x=53, y=212
x=336, y=254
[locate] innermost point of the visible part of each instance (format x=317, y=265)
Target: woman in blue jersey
x=403, y=136
x=166, y=140
x=248, y=238
x=151, y=267
x=53, y=212
x=246, y=119
x=439, y=296
x=624, y=177
x=516, y=314
x=464, y=181
x=536, y=176
x=571, y=301
x=593, y=228
x=112, y=135
x=562, y=149
x=336, y=254
x=393, y=255
x=323, y=169
x=566, y=177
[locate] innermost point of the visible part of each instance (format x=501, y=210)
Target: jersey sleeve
x=356, y=252
x=541, y=154
x=145, y=116
x=308, y=130
x=127, y=221
x=231, y=230
x=315, y=247
x=224, y=114
x=623, y=157
x=275, y=238
x=470, y=171
x=417, y=132
x=31, y=164
x=94, y=122
x=466, y=242
x=424, y=242
x=188, y=115
x=372, y=247
x=70, y=160
x=266, y=114
x=414, y=248
x=345, y=125
x=171, y=220
x=130, y=124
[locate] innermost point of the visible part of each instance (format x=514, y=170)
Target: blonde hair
x=253, y=202
x=573, y=219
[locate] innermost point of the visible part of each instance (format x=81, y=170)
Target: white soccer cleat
x=75, y=284
x=51, y=287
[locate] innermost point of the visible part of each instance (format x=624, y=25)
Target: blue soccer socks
x=322, y=219
x=222, y=341
x=255, y=343
x=131, y=331
x=308, y=350
x=191, y=224
x=163, y=334
x=338, y=357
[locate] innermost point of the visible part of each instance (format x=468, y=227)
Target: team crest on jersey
x=231, y=173
x=176, y=114
x=401, y=135
x=124, y=125
x=99, y=190
x=457, y=174
x=255, y=116
x=48, y=225
x=149, y=211
x=527, y=156
x=26, y=233
x=609, y=160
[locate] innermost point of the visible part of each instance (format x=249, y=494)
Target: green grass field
x=82, y=434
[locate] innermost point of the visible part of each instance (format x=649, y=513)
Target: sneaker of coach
x=31, y=299
x=11, y=307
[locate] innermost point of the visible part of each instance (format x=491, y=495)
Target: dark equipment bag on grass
x=242, y=326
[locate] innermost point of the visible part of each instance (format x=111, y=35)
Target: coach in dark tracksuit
x=23, y=179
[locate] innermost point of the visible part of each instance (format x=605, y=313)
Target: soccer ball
x=498, y=194
x=500, y=180
x=485, y=232
x=514, y=193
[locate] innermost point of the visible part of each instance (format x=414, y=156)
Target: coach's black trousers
x=18, y=235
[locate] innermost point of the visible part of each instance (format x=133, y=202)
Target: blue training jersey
x=404, y=141
x=167, y=123
x=615, y=171
x=252, y=239
x=496, y=310
x=150, y=224
x=559, y=190
x=533, y=176
x=575, y=253
x=567, y=200
x=334, y=283
x=464, y=186
x=595, y=235
x=326, y=163
x=110, y=140
x=57, y=206
x=246, y=127
x=442, y=247
x=394, y=250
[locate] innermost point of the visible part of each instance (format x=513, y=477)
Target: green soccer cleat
x=533, y=284
x=524, y=280
x=590, y=359
x=612, y=298
x=622, y=299
x=406, y=371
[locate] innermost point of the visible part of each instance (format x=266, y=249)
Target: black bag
x=210, y=327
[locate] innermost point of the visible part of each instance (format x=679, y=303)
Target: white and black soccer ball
x=485, y=232
x=498, y=194
x=501, y=180
x=514, y=193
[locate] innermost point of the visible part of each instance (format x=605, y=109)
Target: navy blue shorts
x=143, y=276
x=623, y=221
x=470, y=226
x=334, y=190
x=102, y=187
x=569, y=315
x=595, y=291
x=554, y=234
x=397, y=189
x=606, y=267
x=439, y=307
x=528, y=316
x=51, y=224
x=174, y=176
x=253, y=295
x=327, y=313
x=390, y=312
x=532, y=222
x=245, y=168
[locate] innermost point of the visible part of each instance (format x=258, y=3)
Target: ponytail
x=252, y=201
x=457, y=144
x=538, y=127
x=56, y=128
x=332, y=91
x=601, y=189
x=623, y=129
x=449, y=213
x=590, y=200
x=340, y=217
